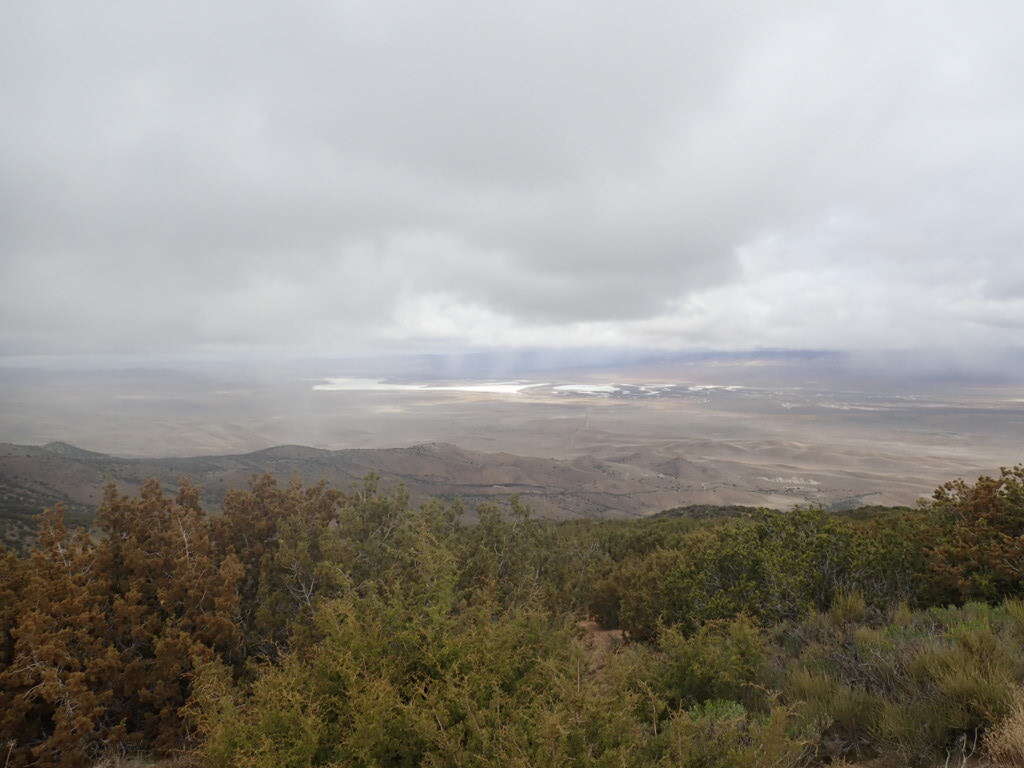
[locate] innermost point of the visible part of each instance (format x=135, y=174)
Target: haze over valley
x=606, y=440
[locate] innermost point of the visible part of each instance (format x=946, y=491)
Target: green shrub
x=847, y=607
x=724, y=660
x=722, y=734
x=912, y=686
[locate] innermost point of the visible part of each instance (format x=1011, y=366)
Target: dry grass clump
x=1005, y=742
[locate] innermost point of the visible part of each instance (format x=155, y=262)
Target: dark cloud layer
x=334, y=177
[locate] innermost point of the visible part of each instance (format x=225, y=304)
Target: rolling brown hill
x=34, y=477
x=623, y=481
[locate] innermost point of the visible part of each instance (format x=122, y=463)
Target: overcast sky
x=340, y=177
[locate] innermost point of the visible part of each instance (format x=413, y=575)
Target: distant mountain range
x=34, y=477
x=620, y=482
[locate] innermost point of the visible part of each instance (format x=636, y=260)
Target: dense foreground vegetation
x=304, y=626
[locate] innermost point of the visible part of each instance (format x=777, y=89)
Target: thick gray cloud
x=333, y=177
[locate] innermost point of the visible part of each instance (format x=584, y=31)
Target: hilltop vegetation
x=307, y=626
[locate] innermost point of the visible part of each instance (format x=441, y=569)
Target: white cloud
x=330, y=178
